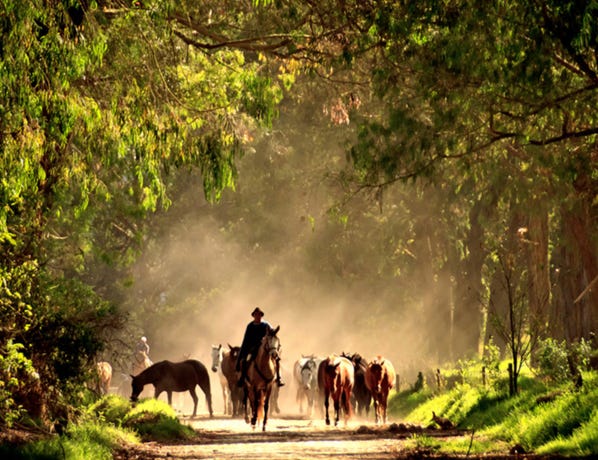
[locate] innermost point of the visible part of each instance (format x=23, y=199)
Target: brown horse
x=361, y=398
x=379, y=378
x=228, y=366
x=336, y=379
x=104, y=377
x=168, y=376
x=260, y=378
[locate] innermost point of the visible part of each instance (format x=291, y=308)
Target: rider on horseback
x=255, y=331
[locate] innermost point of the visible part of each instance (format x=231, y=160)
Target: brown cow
x=379, y=379
x=336, y=378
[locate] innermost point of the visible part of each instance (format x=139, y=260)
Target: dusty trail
x=287, y=437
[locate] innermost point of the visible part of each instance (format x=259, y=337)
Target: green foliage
x=582, y=441
x=111, y=409
x=16, y=373
x=552, y=360
x=81, y=442
x=547, y=420
x=156, y=420
x=422, y=444
x=103, y=427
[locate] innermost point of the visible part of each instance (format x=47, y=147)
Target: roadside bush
x=87, y=440
x=16, y=375
x=156, y=420
x=552, y=360
x=111, y=408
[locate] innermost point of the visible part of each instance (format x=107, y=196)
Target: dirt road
x=289, y=437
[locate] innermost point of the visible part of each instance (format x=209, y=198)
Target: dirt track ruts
x=294, y=437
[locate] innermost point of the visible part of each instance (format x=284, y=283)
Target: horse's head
x=234, y=352
x=137, y=388
x=308, y=374
x=376, y=370
x=216, y=357
x=272, y=343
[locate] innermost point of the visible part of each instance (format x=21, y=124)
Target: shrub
x=552, y=360
x=156, y=420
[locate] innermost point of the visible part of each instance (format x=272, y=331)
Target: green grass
x=81, y=442
x=156, y=420
x=566, y=424
x=105, y=425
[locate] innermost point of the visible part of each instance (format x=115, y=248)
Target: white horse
x=217, y=355
x=305, y=373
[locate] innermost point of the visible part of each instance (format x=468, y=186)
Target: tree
x=100, y=106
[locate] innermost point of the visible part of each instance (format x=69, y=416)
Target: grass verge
x=541, y=419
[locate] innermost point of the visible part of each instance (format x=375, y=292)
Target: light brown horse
x=228, y=366
x=260, y=378
x=104, y=377
x=336, y=379
x=379, y=379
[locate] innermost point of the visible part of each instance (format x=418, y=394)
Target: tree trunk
x=467, y=319
x=579, y=267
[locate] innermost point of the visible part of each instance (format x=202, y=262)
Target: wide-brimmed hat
x=257, y=311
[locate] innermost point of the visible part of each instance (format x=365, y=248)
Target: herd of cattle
x=347, y=380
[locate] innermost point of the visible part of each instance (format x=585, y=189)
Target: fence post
x=511, y=381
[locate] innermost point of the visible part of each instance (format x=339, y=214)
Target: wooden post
x=511, y=381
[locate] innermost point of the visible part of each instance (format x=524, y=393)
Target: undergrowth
x=543, y=418
x=103, y=427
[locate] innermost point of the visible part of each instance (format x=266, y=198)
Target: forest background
x=404, y=178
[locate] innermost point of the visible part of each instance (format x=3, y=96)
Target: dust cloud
x=210, y=265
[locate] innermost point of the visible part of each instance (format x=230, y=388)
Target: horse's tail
x=346, y=402
x=203, y=380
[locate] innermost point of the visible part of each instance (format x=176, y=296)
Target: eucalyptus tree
x=101, y=104
x=504, y=89
x=494, y=101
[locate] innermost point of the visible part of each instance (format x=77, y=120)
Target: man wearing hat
x=255, y=331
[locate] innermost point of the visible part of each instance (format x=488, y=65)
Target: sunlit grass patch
x=401, y=404
x=156, y=420
x=583, y=440
x=422, y=444
x=81, y=442
x=111, y=408
x=473, y=444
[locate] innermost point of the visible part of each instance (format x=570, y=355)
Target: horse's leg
x=194, y=397
x=337, y=407
x=254, y=407
x=384, y=404
x=169, y=393
x=349, y=402
x=326, y=395
x=205, y=387
x=224, y=400
x=244, y=406
x=266, y=406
